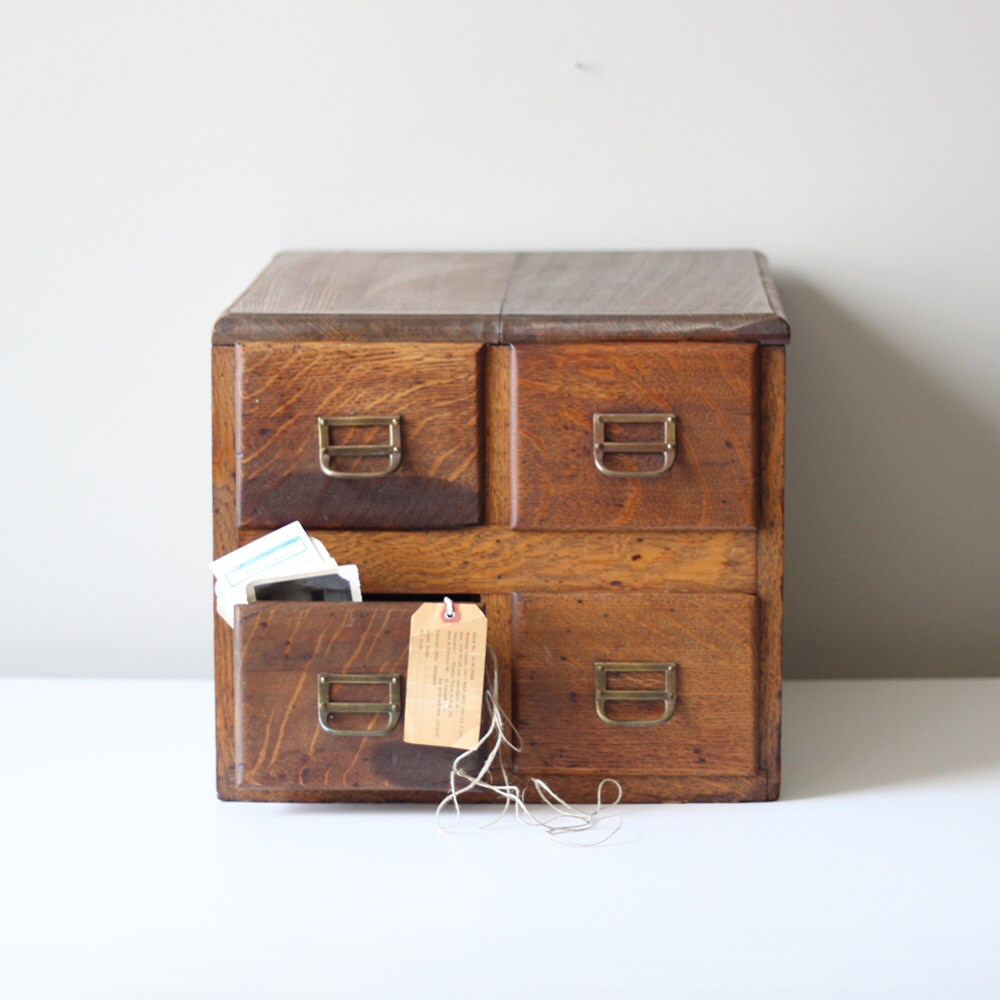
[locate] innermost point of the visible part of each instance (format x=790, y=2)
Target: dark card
x=317, y=587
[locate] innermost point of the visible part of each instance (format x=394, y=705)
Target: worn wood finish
x=703, y=295
x=499, y=614
x=712, y=389
x=659, y=788
x=771, y=560
x=488, y=559
x=372, y=296
x=572, y=787
x=558, y=638
x=281, y=649
x=284, y=388
x=501, y=297
x=702, y=586
x=224, y=540
x=497, y=432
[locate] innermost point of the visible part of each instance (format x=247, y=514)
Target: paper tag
x=444, y=677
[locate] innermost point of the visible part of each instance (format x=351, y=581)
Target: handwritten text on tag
x=444, y=676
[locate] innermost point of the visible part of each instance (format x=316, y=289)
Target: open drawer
x=618, y=685
x=320, y=693
x=346, y=435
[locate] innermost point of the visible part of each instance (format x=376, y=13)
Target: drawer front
x=423, y=471
x=634, y=436
x=559, y=641
x=287, y=657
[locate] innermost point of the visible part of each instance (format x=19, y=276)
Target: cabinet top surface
x=507, y=297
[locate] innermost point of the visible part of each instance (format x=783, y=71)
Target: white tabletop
x=877, y=874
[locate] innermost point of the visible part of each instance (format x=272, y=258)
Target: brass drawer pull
x=602, y=695
x=667, y=447
x=392, y=708
x=328, y=451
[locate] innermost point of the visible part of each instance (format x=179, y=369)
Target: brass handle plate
x=328, y=451
x=391, y=708
x=603, y=694
x=667, y=448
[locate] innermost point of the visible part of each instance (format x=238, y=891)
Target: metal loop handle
x=667, y=447
x=393, y=708
x=328, y=451
x=603, y=694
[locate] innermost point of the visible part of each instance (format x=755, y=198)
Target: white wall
x=154, y=156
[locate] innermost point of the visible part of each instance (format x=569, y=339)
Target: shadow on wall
x=892, y=507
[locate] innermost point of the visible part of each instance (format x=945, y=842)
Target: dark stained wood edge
x=771, y=291
x=526, y=329
x=306, y=796
x=233, y=327
x=770, y=560
x=496, y=421
x=582, y=788
x=224, y=540
x=573, y=788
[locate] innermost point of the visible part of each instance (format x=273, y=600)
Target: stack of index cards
x=286, y=565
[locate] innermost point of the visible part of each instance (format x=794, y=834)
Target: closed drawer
x=634, y=436
x=296, y=727
x=568, y=647
x=308, y=413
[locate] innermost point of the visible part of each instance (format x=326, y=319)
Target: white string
x=569, y=821
x=449, y=608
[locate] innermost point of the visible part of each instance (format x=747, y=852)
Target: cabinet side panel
x=224, y=540
x=770, y=559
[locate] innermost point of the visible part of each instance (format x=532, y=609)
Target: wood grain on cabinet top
x=504, y=297
x=372, y=296
x=697, y=294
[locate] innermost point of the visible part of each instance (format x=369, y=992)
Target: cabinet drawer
x=567, y=647
x=411, y=410
x=288, y=656
x=593, y=426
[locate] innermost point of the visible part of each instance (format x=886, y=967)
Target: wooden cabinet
x=590, y=445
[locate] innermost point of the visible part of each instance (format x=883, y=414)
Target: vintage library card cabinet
x=590, y=445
